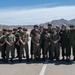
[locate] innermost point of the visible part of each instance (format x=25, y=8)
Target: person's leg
x=7, y=52
x=44, y=53
x=20, y=53
x=63, y=51
x=12, y=52
x=57, y=51
x=18, y=50
x=39, y=51
x=2, y=53
x=73, y=52
x=52, y=51
x=35, y=51
x=31, y=50
x=68, y=52
x=27, y=51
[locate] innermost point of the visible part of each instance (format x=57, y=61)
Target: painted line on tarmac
x=44, y=67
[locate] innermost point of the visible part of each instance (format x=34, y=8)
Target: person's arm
x=33, y=41
x=31, y=33
x=51, y=38
x=21, y=41
x=2, y=43
x=27, y=38
x=57, y=40
x=14, y=39
x=7, y=41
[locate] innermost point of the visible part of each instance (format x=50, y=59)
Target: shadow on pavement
x=16, y=61
x=61, y=62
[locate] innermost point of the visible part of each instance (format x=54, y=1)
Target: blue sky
x=13, y=12
x=31, y=3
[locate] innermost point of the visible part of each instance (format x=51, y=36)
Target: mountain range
x=58, y=22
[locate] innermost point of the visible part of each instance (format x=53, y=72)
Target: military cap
x=49, y=24
x=35, y=26
x=19, y=27
x=4, y=29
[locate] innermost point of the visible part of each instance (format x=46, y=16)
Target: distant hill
x=54, y=23
x=61, y=21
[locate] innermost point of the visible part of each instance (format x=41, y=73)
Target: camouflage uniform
x=46, y=44
x=17, y=43
x=36, y=45
x=24, y=37
x=10, y=48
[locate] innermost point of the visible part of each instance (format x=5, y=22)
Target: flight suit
x=65, y=43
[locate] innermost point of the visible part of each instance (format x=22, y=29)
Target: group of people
x=46, y=42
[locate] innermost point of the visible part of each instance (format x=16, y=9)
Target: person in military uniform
x=42, y=39
x=17, y=42
x=24, y=38
x=55, y=44
x=72, y=39
x=50, y=31
x=2, y=45
x=49, y=28
x=32, y=33
x=58, y=28
x=64, y=41
x=46, y=43
x=10, y=40
x=36, y=44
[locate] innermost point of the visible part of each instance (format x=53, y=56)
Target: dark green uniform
x=46, y=44
x=2, y=46
x=32, y=33
x=64, y=34
x=72, y=41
